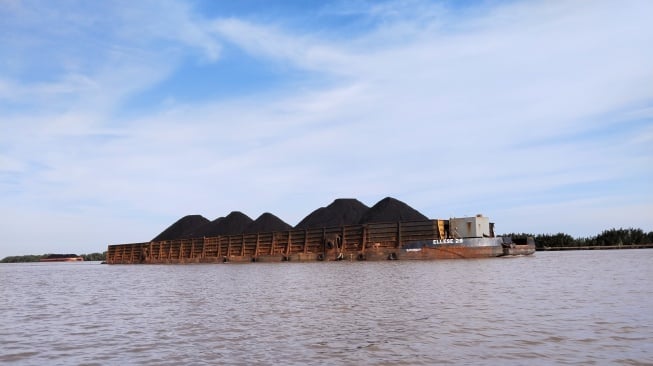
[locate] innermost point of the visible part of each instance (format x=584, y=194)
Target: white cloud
x=10, y=164
x=173, y=21
x=268, y=41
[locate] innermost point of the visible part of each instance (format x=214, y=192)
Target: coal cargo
x=267, y=222
x=391, y=210
x=232, y=224
x=182, y=227
x=342, y=211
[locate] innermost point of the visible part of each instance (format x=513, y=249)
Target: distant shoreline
x=54, y=258
x=597, y=247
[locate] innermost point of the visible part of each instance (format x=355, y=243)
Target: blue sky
x=120, y=117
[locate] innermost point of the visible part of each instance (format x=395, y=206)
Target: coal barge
x=466, y=237
x=62, y=258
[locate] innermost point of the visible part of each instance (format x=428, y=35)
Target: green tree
x=559, y=240
x=95, y=256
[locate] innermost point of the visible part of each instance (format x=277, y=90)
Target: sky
x=119, y=117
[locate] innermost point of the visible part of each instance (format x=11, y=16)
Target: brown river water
x=581, y=307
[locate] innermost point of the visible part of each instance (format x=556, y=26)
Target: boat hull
x=67, y=259
x=457, y=249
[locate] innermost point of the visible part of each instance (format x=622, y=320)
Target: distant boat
x=62, y=258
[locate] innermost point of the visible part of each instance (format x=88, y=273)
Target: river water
x=581, y=307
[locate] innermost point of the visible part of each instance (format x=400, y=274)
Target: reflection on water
x=554, y=307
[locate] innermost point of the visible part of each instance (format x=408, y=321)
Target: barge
x=62, y=258
x=467, y=237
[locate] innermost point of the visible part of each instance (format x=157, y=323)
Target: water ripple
x=577, y=307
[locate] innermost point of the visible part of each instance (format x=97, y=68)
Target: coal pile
x=265, y=223
x=233, y=224
x=182, y=227
x=391, y=210
x=342, y=211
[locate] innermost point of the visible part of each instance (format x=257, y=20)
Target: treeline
x=608, y=238
x=95, y=256
x=36, y=258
